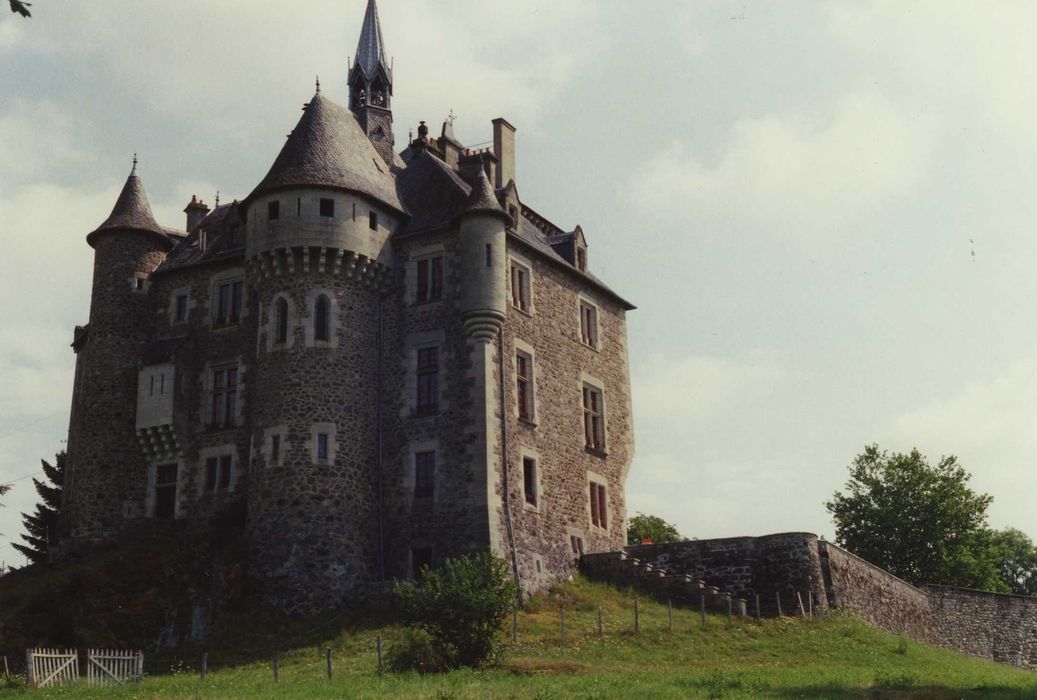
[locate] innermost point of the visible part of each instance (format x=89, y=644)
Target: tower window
x=599, y=505
x=489, y=255
x=524, y=385
x=529, y=480
x=298, y=206
x=589, y=324
x=217, y=473
x=180, y=312
x=224, y=397
x=520, y=286
x=321, y=318
x=138, y=284
x=327, y=207
x=428, y=381
x=273, y=210
x=424, y=474
x=281, y=321
x=430, y=279
x=322, y=446
x=372, y=220
x=275, y=449
x=165, y=491
x=593, y=426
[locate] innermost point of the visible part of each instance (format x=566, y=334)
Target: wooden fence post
x=777, y=595
x=810, y=604
x=702, y=608
x=205, y=664
x=329, y=662
x=277, y=668
x=669, y=612
x=802, y=610
x=637, y=619
x=601, y=632
x=757, y=607
x=7, y=671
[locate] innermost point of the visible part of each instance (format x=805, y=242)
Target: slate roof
x=132, y=211
x=224, y=240
x=482, y=197
x=328, y=148
x=431, y=192
x=370, y=50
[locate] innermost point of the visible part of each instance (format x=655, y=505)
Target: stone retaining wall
x=989, y=625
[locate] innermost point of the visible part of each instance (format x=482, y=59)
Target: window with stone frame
x=281, y=321
x=165, y=490
x=180, y=308
x=228, y=302
x=429, y=279
x=599, y=504
x=576, y=542
x=322, y=447
x=520, y=281
x=593, y=418
x=372, y=220
x=218, y=473
x=529, y=480
x=589, y=324
x=223, y=411
x=327, y=207
x=581, y=258
x=427, y=381
x=273, y=210
x=322, y=319
x=275, y=449
x=524, y=385
x=425, y=474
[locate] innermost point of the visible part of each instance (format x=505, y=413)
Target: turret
x=483, y=258
x=370, y=86
x=107, y=470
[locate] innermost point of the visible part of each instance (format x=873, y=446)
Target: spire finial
x=133, y=171
x=217, y=198
x=451, y=117
x=318, y=84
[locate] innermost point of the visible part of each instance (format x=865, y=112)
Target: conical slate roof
x=328, y=148
x=370, y=51
x=482, y=199
x=132, y=211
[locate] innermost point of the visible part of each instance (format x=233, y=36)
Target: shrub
x=416, y=653
x=461, y=607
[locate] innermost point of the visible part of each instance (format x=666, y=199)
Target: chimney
x=195, y=211
x=504, y=149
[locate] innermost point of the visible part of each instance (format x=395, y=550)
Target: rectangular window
x=529, y=479
x=372, y=220
x=165, y=491
x=224, y=396
x=139, y=284
x=180, y=314
x=588, y=324
x=327, y=207
x=273, y=210
x=524, y=388
x=428, y=381
x=592, y=418
x=275, y=449
x=322, y=446
x=151, y=386
x=489, y=255
x=581, y=258
x=424, y=474
x=162, y=384
x=228, y=302
x=520, y=287
x=217, y=473
x=430, y=279
x=298, y=206
x=599, y=505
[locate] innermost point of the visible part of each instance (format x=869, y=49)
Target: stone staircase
x=622, y=569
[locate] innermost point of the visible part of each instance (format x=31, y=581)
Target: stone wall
x=876, y=596
x=989, y=625
x=773, y=566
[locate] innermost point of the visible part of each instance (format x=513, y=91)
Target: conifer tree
x=41, y=524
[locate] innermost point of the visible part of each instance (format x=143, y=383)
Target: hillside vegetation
x=835, y=657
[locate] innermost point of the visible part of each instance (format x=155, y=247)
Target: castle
x=381, y=359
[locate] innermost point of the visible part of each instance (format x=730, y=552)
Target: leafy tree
x=1015, y=557
x=920, y=522
x=652, y=527
x=461, y=607
x=41, y=525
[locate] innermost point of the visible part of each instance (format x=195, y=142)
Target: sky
x=823, y=211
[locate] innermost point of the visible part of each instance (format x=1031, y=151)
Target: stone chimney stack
x=504, y=149
x=195, y=211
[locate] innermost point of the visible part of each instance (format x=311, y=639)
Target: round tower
x=483, y=262
x=107, y=478
x=317, y=230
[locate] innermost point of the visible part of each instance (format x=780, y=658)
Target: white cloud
x=794, y=175
x=37, y=139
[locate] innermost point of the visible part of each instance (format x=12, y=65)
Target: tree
x=461, y=607
x=21, y=7
x=919, y=522
x=41, y=525
x=1016, y=560
x=642, y=527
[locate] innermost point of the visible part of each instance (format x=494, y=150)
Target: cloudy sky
x=823, y=210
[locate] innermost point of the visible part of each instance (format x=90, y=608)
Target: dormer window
x=581, y=258
x=273, y=210
x=327, y=207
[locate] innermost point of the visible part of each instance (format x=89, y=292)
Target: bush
x=461, y=607
x=416, y=653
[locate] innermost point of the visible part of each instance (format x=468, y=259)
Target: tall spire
x=370, y=51
x=370, y=86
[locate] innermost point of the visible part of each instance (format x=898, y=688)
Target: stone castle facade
x=378, y=359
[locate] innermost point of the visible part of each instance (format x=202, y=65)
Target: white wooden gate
x=50, y=667
x=113, y=667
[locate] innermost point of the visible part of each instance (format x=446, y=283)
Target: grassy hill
x=789, y=658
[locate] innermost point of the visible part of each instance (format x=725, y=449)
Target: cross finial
x=134, y=170
x=451, y=117
x=217, y=198
x=318, y=84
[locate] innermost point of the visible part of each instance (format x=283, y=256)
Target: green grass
x=789, y=658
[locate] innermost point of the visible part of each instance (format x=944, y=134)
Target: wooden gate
x=113, y=667
x=50, y=667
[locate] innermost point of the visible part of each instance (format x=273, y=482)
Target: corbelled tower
x=106, y=477
x=370, y=86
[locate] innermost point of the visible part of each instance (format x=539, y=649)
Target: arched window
x=281, y=319
x=321, y=318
